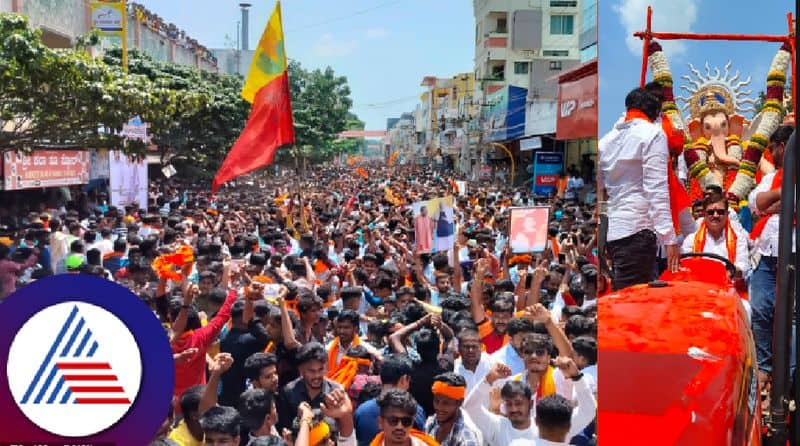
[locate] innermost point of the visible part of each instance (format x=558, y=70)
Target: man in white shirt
x=473, y=364
x=509, y=355
x=518, y=424
x=765, y=200
x=717, y=236
x=633, y=161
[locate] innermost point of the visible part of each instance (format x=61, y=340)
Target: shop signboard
x=547, y=167
x=45, y=168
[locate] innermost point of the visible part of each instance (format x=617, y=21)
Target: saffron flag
x=270, y=123
x=393, y=157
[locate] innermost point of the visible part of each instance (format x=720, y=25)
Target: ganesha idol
x=720, y=146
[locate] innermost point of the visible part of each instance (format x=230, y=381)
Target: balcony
x=495, y=42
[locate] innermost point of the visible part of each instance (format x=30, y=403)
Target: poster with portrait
x=528, y=230
x=434, y=224
x=128, y=180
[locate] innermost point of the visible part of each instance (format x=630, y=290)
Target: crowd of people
x=300, y=311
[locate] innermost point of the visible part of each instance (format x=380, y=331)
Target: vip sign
x=567, y=108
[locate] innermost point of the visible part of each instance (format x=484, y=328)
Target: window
x=555, y=53
x=521, y=67
x=499, y=72
x=561, y=24
x=555, y=65
x=563, y=3
x=502, y=26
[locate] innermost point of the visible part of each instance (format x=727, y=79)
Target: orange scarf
x=347, y=370
x=730, y=240
x=334, y=353
x=419, y=435
x=636, y=114
x=547, y=383
x=758, y=228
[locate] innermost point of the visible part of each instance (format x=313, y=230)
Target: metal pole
x=784, y=308
x=125, y=36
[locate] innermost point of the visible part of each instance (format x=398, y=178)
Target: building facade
x=521, y=49
x=63, y=21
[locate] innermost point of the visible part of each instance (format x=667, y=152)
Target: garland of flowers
x=663, y=76
x=164, y=265
x=772, y=113
x=695, y=154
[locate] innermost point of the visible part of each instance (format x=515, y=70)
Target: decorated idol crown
x=717, y=92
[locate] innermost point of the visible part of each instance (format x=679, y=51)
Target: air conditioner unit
x=528, y=54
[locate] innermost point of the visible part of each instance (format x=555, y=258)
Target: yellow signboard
x=110, y=18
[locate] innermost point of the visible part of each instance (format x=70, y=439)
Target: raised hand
x=498, y=371
x=567, y=366
x=538, y=313
x=221, y=364
x=337, y=405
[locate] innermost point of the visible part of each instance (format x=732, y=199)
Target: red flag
x=270, y=123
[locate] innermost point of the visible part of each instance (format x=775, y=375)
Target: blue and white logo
x=74, y=369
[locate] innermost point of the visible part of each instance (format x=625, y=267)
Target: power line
x=336, y=19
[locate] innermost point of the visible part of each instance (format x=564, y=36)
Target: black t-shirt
x=421, y=383
x=240, y=343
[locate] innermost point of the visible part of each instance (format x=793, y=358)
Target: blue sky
x=384, y=48
x=620, y=60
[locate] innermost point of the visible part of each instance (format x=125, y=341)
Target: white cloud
x=329, y=46
x=668, y=16
x=377, y=33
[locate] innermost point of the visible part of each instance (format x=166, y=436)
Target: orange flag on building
x=270, y=123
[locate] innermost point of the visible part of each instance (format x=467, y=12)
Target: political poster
x=528, y=230
x=128, y=180
x=434, y=225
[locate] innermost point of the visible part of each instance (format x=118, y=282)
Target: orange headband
x=318, y=433
x=444, y=389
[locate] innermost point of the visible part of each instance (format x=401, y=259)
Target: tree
x=320, y=109
x=199, y=115
x=62, y=97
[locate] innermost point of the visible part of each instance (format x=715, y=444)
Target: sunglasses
x=711, y=212
x=405, y=421
x=541, y=351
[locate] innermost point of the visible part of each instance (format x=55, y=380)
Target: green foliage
x=66, y=98
x=320, y=109
x=199, y=114
x=61, y=97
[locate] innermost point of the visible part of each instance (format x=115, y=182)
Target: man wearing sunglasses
x=716, y=235
x=397, y=411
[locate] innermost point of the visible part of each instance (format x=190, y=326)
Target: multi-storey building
x=521, y=46
x=63, y=21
